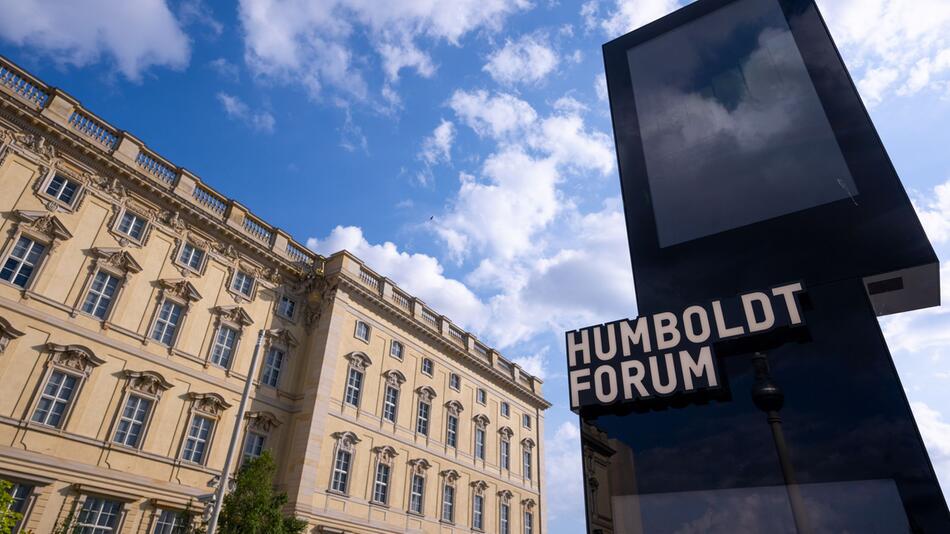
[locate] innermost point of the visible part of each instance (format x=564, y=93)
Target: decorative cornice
x=450, y=475
x=209, y=403
x=426, y=393
x=75, y=357
x=394, y=377
x=234, y=314
x=454, y=407
x=263, y=421
x=43, y=223
x=282, y=337
x=117, y=258
x=148, y=382
x=359, y=360
x=7, y=334
x=481, y=420
x=181, y=288
x=385, y=453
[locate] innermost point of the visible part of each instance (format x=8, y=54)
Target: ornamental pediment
x=209, y=403
x=116, y=258
x=148, y=382
x=263, y=421
x=7, y=334
x=234, y=314
x=75, y=357
x=426, y=393
x=454, y=407
x=43, y=223
x=180, y=288
x=281, y=336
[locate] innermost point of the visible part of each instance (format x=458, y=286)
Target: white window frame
x=425, y=423
x=397, y=350
x=344, y=473
x=421, y=494
x=99, y=294
x=382, y=486
x=216, y=344
x=243, y=276
x=269, y=369
x=143, y=424
x=69, y=403
x=527, y=462
x=452, y=434
x=179, y=522
x=356, y=330
x=93, y=527
x=455, y=381
x=120, y=222
x=479, y=446
x=281, y=308
x=505, y=409
x=481, y=396
x=526, y=420
x=158, y=318
x=258, y=437
x=35, y=266
x=57, y=196
x=353, y=394
x=195, y=249
x=478, y=512
x=207, y=441
x=422, y=367
x=394, y=403
x=504, y=517
x=527, y=521
x=504, y=453
x=448, y=489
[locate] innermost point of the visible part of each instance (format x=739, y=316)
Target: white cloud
x=934, y=213
x=923, y=331
x=625, y=15
x=564, y=471
x=135, y=36
x=419, y=274
x=600, y=87
x=436, y=149
x=225, y=69
x=936, y=433
x=310, y=43
x=196, y=12
x=526, y=60
x=492, y=115
x=535, y=364
x=236, y=109
x=893, y=46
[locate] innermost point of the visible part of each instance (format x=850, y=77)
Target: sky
x=464, y=149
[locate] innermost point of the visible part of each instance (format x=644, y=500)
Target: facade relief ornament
x=74, y=357
x=479, y=487
x=233, y=314
x=528, y=503
x=262, y=421
x=450, y=475
x=281, y=337
x=116, y=258
x=209, y=403
x=481, y=421
x=7, y=334
x=172, y=219
x=386, y=454
x=419, y=466
x=359, y=361
x=346, y=440
x=454, y=407
x=394, y=378
x=426, y=393
x=505, y=496
x=180, y=288
x=527, y=443
x=44, y=224
x=148, y=382
x=506, y=432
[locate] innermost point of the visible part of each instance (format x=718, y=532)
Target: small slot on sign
x=885, y=286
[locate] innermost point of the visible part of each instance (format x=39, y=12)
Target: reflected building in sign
x=748, y=163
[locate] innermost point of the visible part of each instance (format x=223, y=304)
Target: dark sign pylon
x=768, y=230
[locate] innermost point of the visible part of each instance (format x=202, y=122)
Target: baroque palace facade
x=131, y=298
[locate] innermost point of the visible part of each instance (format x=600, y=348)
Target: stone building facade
x=131, y=298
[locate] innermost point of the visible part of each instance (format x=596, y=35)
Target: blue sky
x=464, y=148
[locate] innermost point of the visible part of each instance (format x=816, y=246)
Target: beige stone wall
x=44, y=330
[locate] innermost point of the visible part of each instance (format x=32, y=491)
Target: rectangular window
x=505, y=409
x=448, y=503
x=390, y=404
x=526, y=463
x=396, y=350
x=481, y=396
x=452, y=431
x=272, y=366
x=528, y=523
x=253, y=445
x=191, y=256
x=354, y=387
x=381, y=484
x=341, y=471
x=526, y=421
x=171, y=522
x=223, y=347
x=505, y=456
x=427, y=366
x=132, y=421
x=196, y=444
x=362, y=330
x=478, y=512
x=504, y=516
x=62, y=189
x=422, y=421
x=167, y=323
x=98, y=516
x=417, y=493
x=21, y=497
x=286, y=307
x=455, y=382
x=242, y=283
x=132, y=225
x=480, y=443
x=55, y=399
x=100, y=295
x=22, y=261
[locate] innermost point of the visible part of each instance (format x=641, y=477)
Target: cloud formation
x=236, y=109
x=527, y=60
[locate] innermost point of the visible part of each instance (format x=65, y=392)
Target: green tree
x=254, y=507
x=8, y=518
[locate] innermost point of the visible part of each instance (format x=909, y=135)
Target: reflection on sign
x=668, y=353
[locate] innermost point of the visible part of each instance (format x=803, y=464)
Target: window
x=286, y=307
x=455, y=382
x=504, y=517
x=478, y=512
x=526, y=421
x=98, y=516
x=223, y=347
x=242, y=283
x=22, y=261
x=191, y=256
x=354, y=387
x=417, y=493
x=362, y=331
x=100, y=295
x=528, y=522
x=422, y=421
x=341, y=471
x=272, y=366
x=480, y=443
x=63, y=190
x=526, y=463
x=55, y=399
x=396, y=349
x=253, y=445
x=481, y=396
x=505, y=454
x=199, y=434
x=21, y=498
x=132, y=225
x=171, y=522
x=448, y=503
x=167, y=323
x=390, y=404
x=505, y=409
x=132, y=421
x=427, y=366
x=452, y=431
x=381, y=484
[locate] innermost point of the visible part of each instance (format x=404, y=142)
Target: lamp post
x=769, y=398
x=238, y=420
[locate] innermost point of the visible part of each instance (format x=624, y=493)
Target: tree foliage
x=8, y=518
x=254, y=507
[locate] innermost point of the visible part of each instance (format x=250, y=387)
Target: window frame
x=356, y=331
x=448, y=489
x=35, y=267
x=119, y=515
x=399, y=354
x=183, y=312
x=451, y=434
x=479, y=443
x=279, y=308
x=382, y=467
x=242, y=273
x=478, y=512
x=455, y=382
x=353, y=393
x=207, y=441
x=387, y=402
x=350, y=456
x=505, y=408
x=187, y=265
x=412, y=493
x=73, y=202
x=120, y=220
x=176, y=527
x=431, y=364
x=248, y=435
x=504, y=516
x=481, y=396
x=143, y=424
x=215, y=343
x=504, y=453
x=69, y=403
x=268, y=368
x=526, y=420
x=90, y=288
